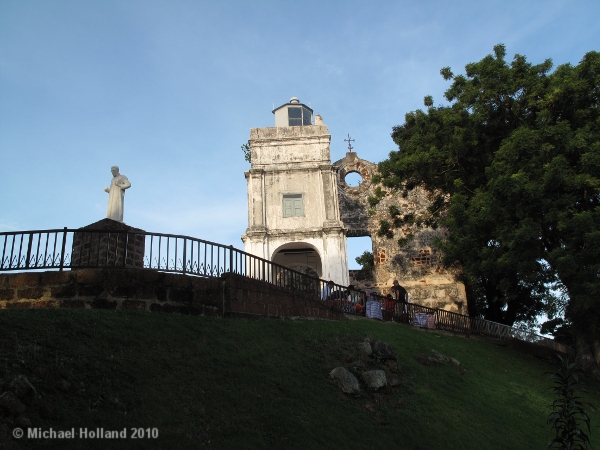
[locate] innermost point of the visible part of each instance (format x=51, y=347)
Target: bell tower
x=293, y=210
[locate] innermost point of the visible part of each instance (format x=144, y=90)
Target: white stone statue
x=116, y=195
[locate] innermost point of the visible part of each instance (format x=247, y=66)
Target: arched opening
x=299, y=256
x=360, y=261
x=353, y=179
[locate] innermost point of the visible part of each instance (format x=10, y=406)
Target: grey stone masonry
x=417, y=264
x=108, y=243
x=230, y=295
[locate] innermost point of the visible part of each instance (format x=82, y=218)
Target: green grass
x=236, y=384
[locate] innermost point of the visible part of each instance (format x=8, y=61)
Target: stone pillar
x=256, y=193
x=108, y=243
x=328, y=192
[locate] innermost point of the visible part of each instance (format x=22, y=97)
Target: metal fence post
x=231, y=258
x=28, y=250
x=62, y=252
x=184, y=254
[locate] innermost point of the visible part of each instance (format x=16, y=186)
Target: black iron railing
x=458, y=323
x=66, y=249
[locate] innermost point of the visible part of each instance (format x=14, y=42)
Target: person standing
x=401, y=296
x=327, y=291
x=389, y=310
x=360, y=304
x=373, y=307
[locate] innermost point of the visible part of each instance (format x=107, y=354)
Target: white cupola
x=293, y=114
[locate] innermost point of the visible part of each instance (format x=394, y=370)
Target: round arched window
x=353, y=179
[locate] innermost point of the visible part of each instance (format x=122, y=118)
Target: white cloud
x=9, y=225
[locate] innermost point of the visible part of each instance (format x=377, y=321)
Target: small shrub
x=403, y=241
x=247, y=151
x=568, y=415
x=373, y=201
x=394, y=211
x=385, y=229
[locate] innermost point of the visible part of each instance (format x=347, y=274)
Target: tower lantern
x=293, y=114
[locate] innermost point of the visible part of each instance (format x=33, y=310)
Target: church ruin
x=301, y=210
x=293, y=211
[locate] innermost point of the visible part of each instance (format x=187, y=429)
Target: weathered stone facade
x=291, y=165
x=417, y=264
x=293, y=211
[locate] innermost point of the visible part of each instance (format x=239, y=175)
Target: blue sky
x=168, y=91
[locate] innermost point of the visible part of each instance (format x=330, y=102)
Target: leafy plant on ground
x=568, y=418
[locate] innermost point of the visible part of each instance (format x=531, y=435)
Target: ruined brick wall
x=416, y=264
x=150, y=290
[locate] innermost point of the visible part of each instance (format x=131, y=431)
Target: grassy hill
x=236, y=384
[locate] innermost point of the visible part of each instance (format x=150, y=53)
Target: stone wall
x=118, y=245
x=416, y=264
x=150, y=290
x=247, y=296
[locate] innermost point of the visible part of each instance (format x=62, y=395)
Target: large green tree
x=513, y=167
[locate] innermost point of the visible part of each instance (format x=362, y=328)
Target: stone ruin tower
x=293, y=210
x=416, y=264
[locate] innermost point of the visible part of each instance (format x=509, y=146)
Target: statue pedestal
x=108, y=243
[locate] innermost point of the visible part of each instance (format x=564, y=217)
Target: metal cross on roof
x=349, y=142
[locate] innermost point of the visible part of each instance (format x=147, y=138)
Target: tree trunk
x=588, y=356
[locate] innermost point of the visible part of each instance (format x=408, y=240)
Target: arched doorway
x=299, y=256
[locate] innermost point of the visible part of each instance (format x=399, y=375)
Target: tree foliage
x=366, y=261
x=513, y=168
